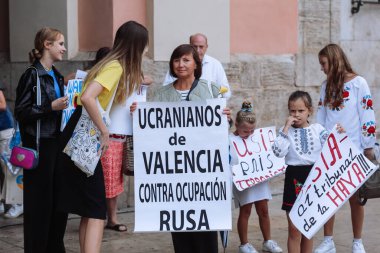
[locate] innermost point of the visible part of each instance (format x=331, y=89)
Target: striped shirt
x=183, y=94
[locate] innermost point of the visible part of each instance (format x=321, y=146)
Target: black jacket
x=26, y=110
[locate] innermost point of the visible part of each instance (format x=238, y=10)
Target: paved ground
x=11, y=238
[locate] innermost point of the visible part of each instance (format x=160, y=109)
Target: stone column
x=27, y=17
x=170, y=24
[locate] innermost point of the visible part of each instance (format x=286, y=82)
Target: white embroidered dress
x=355, y=114
x=301, y=146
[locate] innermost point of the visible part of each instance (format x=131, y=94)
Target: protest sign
x=182, y=175
x=338, y=173
x=256, y=161
x=72, y=90
x=121, y=112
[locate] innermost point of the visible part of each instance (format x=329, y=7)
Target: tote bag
x=84, y=144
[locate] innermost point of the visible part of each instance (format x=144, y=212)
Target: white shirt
x=355, y=114
x=301, y=146
x=212, y=71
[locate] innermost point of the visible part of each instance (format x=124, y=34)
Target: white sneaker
x=247, y=248
x=1, y=207
x=15, y=211
x=357, y=247
x=326, y=246
x=271, y=246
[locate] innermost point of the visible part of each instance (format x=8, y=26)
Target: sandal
x=117, y=227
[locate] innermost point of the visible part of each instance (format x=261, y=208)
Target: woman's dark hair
x=305, y=96
x=100, y=54
x=180, y=51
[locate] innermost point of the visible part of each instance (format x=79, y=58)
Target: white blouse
x=301, y=146
x=355, y=114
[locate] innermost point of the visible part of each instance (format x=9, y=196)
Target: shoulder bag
x=27, y=158
x=84, y=144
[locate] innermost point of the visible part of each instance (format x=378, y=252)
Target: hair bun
x=247, y=107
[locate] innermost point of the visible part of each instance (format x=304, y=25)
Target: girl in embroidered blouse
x=300, y=143
x=259, y=194
x=345, y=98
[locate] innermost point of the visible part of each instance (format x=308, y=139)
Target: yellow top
x=108, y=77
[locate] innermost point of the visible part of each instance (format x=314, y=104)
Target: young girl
x=119, y=71
x=258, y=195
x=44, y=227
x=346, y=98
x=300, y=143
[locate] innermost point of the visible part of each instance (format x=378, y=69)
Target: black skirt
x=295, y=177
x=79, y=194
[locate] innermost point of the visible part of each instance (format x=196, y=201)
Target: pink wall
x=95, y=24
x=264, y=26
x=4, y=25
x=128, y=10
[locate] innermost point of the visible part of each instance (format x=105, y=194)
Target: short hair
x=198, y=34
x=180, y=51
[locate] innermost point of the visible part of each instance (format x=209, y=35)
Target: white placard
x=72, y=90
x=338, y=173
x=182, y=175
x=80, y=74
x=256, y=161
x=120, y=113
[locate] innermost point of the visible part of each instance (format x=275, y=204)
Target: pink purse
x=23, y=157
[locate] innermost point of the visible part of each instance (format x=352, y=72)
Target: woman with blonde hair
x=120, y=70
x=44, y=227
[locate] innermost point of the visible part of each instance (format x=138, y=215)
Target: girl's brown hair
x=339, y=66
x=246, y=114
x=45, y=34
x=130, y=42
x=305, y=96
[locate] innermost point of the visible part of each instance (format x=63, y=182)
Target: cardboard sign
x=72, y=90
x=256, y=161
x=121, y=112
x=339, y=172
x=182, y=175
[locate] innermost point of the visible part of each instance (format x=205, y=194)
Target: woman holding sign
x=346, y=99
x=186, y=66
x=120, y=72
x=44, y=227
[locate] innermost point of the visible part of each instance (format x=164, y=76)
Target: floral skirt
x=111, y=163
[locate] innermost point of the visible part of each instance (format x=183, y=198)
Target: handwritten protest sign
x=182, y=175
x=72, y=90
x=256, y=161
x=340, y=170
x=121, y=112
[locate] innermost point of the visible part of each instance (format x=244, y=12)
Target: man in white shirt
x=212, y=69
